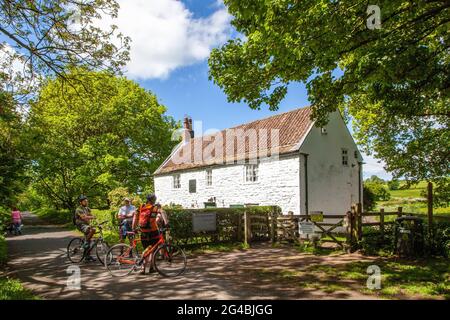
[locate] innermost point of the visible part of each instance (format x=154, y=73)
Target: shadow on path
x=38, y=259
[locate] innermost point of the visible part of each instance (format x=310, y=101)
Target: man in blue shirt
x=125, y=216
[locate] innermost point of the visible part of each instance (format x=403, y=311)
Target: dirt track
x=38, y=259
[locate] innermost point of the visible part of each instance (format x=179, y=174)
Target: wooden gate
x=288, y=227
x=326, y=228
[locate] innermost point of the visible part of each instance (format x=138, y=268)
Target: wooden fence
x=350, y=225
x=357, y=219
x=232, y=224
x=267, y=224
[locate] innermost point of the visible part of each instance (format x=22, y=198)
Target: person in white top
x=125, y=217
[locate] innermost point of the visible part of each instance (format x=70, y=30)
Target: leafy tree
x=114, y=134
x=393, y=81
x=12, y=157
x=117, y=195
x=378, y=190
x=49, y=35
x=441, y=194
x=394, y=184
x=375, y=179
x=369, y=201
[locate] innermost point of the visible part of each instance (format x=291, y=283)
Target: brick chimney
x=188, y=132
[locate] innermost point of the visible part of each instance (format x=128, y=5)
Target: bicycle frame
x=148, y=251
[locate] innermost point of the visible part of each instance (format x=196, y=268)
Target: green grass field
x=411, y=200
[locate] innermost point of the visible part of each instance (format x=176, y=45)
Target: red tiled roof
x=255, y=137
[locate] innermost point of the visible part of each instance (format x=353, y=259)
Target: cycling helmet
x=151, y=197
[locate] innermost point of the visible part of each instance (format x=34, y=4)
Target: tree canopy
x=46, y=36
x=393, y=81
x=13, y=160
x=105, y=132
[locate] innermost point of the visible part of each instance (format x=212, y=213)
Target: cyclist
x=82, y=220
x=125, y=216
x=149, y=219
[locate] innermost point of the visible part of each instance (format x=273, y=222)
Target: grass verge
x=420, y=279
x=12, y=289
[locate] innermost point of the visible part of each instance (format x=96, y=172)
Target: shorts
x=149, y=238
x=84, y=228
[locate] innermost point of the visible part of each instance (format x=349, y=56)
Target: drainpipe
x=305, y=155
x=359, y=182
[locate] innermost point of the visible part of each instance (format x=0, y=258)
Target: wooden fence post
x=430, y=207
x=349, y=230
x=400, y=211
x=246, y=227
x=273, y=221
x=239, y=227
x=359, y=217
x=382, y=222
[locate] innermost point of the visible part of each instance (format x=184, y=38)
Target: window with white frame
x=176, y=181
x=251, y=173
x=209, y=177
x=344, y=157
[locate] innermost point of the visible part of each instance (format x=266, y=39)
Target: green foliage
x=379, y=190
x=373, y=243
x=180, y=221
x=30, y=199
x=392, y=81
x=436, y=244
x=117, y=195
x=54, y=216
x=113, y=135
x=12, y=155
x=441, y=194
x=369, y=199
x=3, y=250
x=11, y=289
x=5, y=218
x=44, y=37
x=394, y=184
x=106, y=215
x=375, y=179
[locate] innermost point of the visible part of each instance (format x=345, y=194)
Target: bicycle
x=77, y=252
x=167, y=259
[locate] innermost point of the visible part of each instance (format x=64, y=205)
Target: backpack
x=147, y=218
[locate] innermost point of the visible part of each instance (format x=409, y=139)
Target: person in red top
x=148, y=220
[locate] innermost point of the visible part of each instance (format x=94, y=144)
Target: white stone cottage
x=282, y=160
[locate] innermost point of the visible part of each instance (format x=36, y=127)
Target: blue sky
x=171, y=41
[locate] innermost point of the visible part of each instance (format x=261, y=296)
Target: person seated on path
x=82, y=220
x=148, y=220
x=125, y=216
x=16, y=218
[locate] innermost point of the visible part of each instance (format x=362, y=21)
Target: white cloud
x=165, y=35
x=374, y=166
x=16, y=76
x=10, y=60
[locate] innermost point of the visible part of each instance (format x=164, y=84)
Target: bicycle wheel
x=121, y=259
x=101, y=249
x=75, y=250
x=169, y=260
